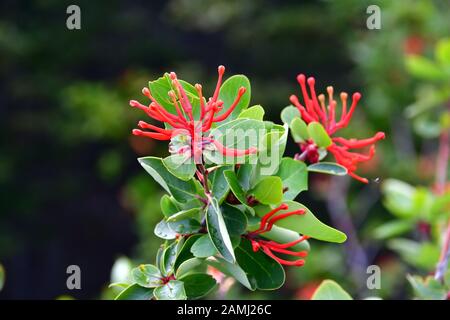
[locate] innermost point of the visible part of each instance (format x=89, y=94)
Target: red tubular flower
x=316, y=110
x=183, y=121
x=269, y=247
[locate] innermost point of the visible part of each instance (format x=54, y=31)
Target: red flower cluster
x=316, y=110
x=183, y=121
x=269, y=247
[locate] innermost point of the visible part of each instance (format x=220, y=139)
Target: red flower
x=315, y=110
x=269, y=247
x=183, y=122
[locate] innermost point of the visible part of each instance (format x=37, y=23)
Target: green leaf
x=163, y=231
x=319, y=135
x=307, y=224
x=219, y=185
x=168, y=206
x=244, y=175
x=263, y=272
x=181, y=190
x=235, y=219
x=428, y=288
x=424, y=68
x=231, y=270
x=255, y=112
x=161, y=87
x=185, y=252
x=228, y=93
x=181, y=166
x=443, y=51
x=294, y=175
x=328, y=168
x=198, y=285
x=269, y=190
x=289, y=113
x=218, y=232
x=299, y=130
x=184, y=214
x=393, y=229
x=423, y=255
x=135, y=292
x=147, y=275
x=172, y=290
x=399, y=198
x=271, y=150
x=188, y=266
x=203, y=247
x=235, y=187
x=186, y=226
x=170, y=256
x=238, y=134
x=330, y=290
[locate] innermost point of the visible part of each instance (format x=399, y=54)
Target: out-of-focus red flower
x=414, y=44
x=316, y=110
x=183, y=122
x=269, y=247
x=306, y=291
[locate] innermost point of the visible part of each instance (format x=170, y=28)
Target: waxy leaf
x=269, y=190
x=319, y=135
x=289, y=113
x=198, y=285
x=330, y=290
x=185, y=252
x=294, y=175
x=228, y=93
x=235, y=187
x=147, y=275
x=189, y=266
x=181, y=190
x=135, y=292
x=172, y=290
x=180, y=166
x=262, y=271
x=186, y=226
x=232, y=270
x=299, y=130
x=218, y=232
x=203, y=247
x=328, y=168
x=244, y=175
x=307, y=224
x=235, y=219
x=271, y=150
x=169, y=257
x=161, y=87
x=168, y=206
x=184, y=214
x=255, y=112
x=219, y=185
x=163, y=231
